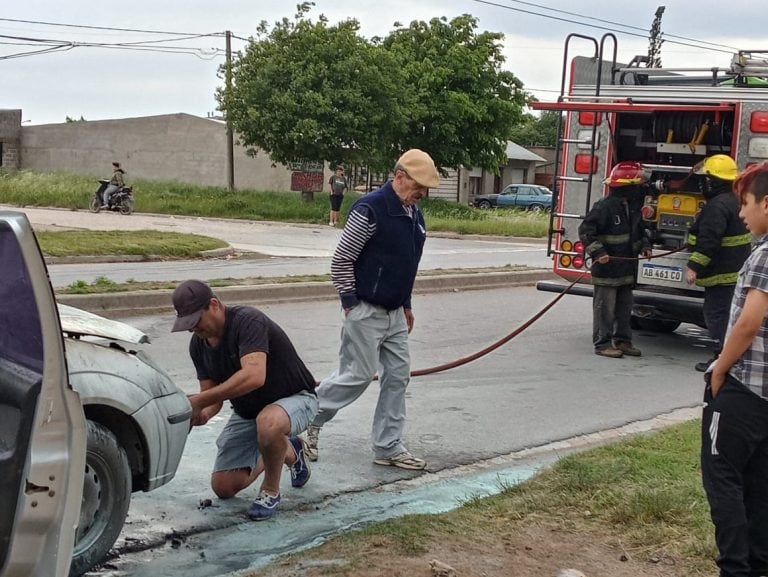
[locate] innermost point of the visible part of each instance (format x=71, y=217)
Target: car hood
x=77, y=322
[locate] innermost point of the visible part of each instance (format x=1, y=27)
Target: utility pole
x=230, y=136
x=655, y=40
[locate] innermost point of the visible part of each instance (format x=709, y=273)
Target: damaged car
x=137, y=422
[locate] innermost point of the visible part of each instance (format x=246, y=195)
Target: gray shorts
x=237, y=444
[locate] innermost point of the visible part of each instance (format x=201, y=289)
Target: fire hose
x=505, y=339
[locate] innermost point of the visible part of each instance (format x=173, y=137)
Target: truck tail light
x=578, y=262
x=579, y=247
x=585, y=164
x=758, y=121
x=587, y=118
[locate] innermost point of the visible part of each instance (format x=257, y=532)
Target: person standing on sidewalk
x=339, y=185
x=244, y=357
x=734, y=424
x=720, y=244
x=613, y=235
x=373, y=269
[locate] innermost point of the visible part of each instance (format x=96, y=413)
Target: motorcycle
x=119, y=201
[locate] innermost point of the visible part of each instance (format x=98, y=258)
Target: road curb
x=137, y=303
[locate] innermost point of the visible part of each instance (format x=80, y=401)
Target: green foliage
x=143, y=243
x=459, y=104
x=309, y=90
x=25, y=188
x=537, y=131
x=306, y=89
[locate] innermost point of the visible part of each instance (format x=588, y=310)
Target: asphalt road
x=544, y=386
x=287, y=249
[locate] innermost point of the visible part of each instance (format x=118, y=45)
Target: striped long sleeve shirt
x=359, y=229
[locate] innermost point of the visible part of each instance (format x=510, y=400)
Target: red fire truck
x=668, y=120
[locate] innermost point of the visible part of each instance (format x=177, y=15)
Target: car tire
x=536, y=208
x=106, y=497
x=484, y=204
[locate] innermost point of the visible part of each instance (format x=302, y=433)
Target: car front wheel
x=484, y=204
x=106, y=496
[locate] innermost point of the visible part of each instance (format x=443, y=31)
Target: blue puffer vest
x=386, y=268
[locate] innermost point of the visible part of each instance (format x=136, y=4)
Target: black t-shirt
x=248, y=330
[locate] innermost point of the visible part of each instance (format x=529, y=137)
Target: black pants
x=717, y=309
x=734, y=468
x=611, y=311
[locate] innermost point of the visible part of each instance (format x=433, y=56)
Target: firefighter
x=614, y=228
x=720, y=243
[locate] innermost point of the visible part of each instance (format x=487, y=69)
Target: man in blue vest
x=373, y=269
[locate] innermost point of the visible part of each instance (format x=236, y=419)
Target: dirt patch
x=531, y=551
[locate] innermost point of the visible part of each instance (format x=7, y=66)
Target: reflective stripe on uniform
x=700, y=258
x=718, y=279
x=614, y=238
x=737, y=240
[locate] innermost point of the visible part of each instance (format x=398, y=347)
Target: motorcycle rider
x=115, y=183
x=613, y=235
x=720, y=244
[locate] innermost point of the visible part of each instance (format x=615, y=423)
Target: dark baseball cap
x=190, y=299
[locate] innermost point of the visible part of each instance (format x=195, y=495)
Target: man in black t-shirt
x=244, y=357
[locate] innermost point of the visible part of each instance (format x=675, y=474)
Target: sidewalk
x=141, y=303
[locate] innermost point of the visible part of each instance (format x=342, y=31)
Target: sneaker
x=264, y=507
x=611, y=352
x=310, y=449
x=629, y=350
x=300, y=471
x=702, y=367
x=330, y=223
x=403, y=460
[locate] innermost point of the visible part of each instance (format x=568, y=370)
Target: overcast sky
x=99, y=83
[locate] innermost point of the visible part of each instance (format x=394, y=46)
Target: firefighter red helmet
x=626, y=173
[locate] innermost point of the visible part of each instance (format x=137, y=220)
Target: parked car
x=137, y=425
x=42, y=424
x=133, y=419
x=529, y=196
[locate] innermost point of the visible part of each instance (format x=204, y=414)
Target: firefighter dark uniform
x=614, y=228
x=720, y=244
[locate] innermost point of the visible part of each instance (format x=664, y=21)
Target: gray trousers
x=372, y=339
x=108, y=192
x=611, y=311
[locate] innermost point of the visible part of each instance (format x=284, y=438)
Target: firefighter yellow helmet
x=719, y=166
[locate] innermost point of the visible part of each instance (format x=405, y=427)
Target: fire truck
x=669, y=120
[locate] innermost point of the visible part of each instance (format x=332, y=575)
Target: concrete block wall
x=10, y=131
x=178, y=147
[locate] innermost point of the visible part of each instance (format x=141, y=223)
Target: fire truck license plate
x=662, y=272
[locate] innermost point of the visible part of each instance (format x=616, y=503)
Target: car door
x=42, y=426
x=527, y=196
x=508, y=197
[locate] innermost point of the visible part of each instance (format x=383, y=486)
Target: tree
x=537, y=130
x=460, y=105
x=307, y=90
x=314, y=91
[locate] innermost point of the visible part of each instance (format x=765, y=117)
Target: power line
x=108, y=28
x=666, y=34
x=569, y=21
